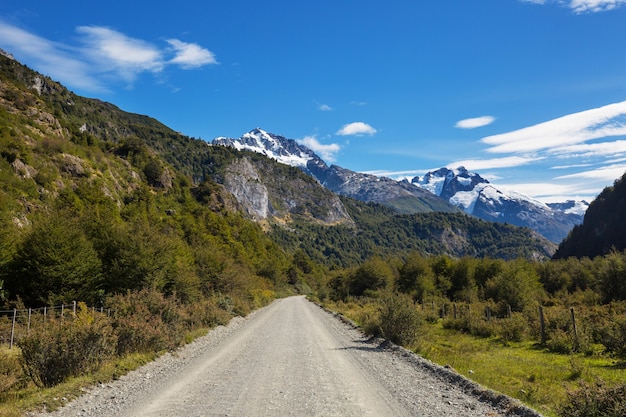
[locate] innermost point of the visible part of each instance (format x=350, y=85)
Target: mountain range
x=61, y=151
x=444, y=190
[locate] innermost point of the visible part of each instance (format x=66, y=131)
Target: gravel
x=291, y=358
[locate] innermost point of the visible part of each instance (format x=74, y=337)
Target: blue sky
x=531, y=94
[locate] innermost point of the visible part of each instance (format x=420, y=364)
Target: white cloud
x=583, y=6
x=602, y=122
x=605, y=173
x=588, y=150
x=507, y=162
x=54, y=59
x=356, y=129
x=102, y=56
x=475, y=122
x=553, y=192
x=327, y=152
x=325, y=107
x=191, y=55
x=117, y=52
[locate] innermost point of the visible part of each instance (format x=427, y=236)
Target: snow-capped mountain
x=441, y=190
x=477, y=196
x=279, y=148
x=369, y=188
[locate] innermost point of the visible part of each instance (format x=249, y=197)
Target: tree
x=517, y=285
x=416, y=277
x=373, y=275
x=55, y=263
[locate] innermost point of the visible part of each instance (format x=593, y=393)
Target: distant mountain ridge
x=59, y=151
x=477, y=196
x=364, y=187
x=442, y=190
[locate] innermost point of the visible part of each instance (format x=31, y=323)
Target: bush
x=612, y=334
x=64, y=349
x=560, y=341
x=514, y=328
x=11, y=375
x=596, y=400
x=399, y=319
x=146, y=321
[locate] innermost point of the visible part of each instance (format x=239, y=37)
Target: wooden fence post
x=574, y=328
x=542, y=323
x=13, y=328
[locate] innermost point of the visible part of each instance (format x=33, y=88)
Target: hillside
x=604, y=227
x=97, y=201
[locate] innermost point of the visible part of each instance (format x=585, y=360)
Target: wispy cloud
x=475, y=122
x=583, y=6
x=325, y=107
x=101, y=56
x=327, y=152
x=54, y=59
x=605, y=173
x=506, y=162
x=356, y=129
x=557, y=134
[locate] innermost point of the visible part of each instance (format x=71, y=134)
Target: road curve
x=291, y=359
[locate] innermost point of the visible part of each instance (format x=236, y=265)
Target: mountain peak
x=279, y=148
x=476, y=196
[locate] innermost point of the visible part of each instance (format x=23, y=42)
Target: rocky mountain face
x=443, y=190
x=257, y=186
x=363, y=187
x=476, y=196
x=60, y=150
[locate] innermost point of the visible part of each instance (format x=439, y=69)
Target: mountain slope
x=604, y=226
x=363, y=187
x=476, y=196
x=62, y=153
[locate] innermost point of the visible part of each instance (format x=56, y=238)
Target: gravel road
x=291, y=358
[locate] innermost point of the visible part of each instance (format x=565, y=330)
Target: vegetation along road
x=291, y=359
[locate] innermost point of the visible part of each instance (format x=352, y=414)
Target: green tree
x=374, y=274
x=517, y=285
x=416, y=277
x=55, y=263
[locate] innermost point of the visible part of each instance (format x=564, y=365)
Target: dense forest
x=604, y=226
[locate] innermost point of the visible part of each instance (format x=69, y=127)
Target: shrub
x=11, y=375
x=399, y=319
x=560, y=341
x=146, y=321
x=612, y=334
x=595, y=400
x=64, y=349
x=514, y=328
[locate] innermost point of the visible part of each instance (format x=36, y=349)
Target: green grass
x=526, y=371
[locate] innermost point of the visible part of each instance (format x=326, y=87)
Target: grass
x=30, y=398
x=526, y=371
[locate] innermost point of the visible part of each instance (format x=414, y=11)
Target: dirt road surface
x=291, y=358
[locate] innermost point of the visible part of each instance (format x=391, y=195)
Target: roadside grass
x=522, y=370
x=16, y=403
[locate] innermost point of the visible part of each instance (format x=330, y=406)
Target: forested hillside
x=604, y=227
x=97, y=201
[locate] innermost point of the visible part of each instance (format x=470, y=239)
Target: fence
x=18, y=322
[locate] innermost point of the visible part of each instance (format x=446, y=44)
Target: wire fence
x=17, y=323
